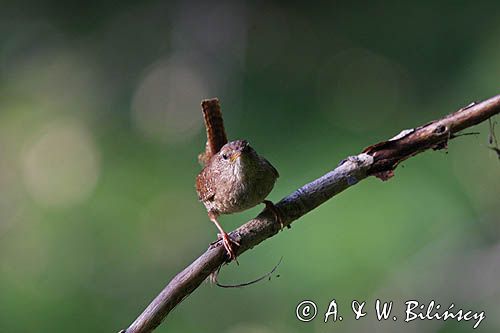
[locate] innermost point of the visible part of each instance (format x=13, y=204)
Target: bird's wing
x=205, y=186
x=276, y=173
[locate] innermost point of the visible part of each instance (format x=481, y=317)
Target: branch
x=379, y=160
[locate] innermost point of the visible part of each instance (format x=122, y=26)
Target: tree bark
x=378, y=160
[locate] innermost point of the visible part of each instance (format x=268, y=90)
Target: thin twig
x=379, y=160
x=244, y=284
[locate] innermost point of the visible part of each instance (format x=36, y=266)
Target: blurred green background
x=100, y=127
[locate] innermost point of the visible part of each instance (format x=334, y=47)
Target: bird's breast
x=241, y=191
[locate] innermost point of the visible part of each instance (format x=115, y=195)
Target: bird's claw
x=278, y=216
x=227, y=242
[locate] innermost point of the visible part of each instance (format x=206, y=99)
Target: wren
x=235, y=177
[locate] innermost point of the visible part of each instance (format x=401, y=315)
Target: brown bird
x=235, y=177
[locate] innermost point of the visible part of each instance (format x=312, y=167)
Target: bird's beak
x=235, y=156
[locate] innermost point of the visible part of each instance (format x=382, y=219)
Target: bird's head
x=235, y=155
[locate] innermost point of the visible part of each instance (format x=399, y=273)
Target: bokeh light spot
x=61, y=166
x=166, y=105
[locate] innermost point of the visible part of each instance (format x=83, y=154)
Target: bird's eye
x=224, y=156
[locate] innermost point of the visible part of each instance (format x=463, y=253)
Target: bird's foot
x=278, y=216
x=228, y=244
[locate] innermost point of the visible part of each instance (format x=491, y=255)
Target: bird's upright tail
x=216, y=135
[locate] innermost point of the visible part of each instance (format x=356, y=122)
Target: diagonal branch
x=379, y=160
